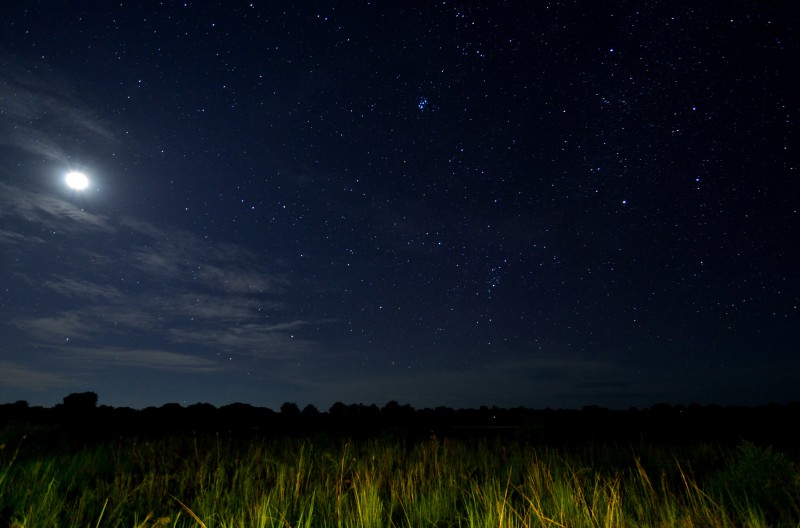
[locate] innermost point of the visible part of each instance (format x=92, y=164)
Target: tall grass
x=226, y=482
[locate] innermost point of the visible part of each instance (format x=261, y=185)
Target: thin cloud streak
x=250, y=340
x=83, y=289
x=153, y=359
x=48, y=212
x=15, y=375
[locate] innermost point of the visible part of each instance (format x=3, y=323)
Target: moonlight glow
x=77, y=180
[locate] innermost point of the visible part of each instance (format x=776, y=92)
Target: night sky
x=540, y=204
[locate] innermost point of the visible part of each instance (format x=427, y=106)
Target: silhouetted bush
x=759, y=475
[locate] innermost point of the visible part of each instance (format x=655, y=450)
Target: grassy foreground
x=214, y=481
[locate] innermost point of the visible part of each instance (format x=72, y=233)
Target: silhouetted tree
x=290, y=409
x=338, y=409
x=80, y=401
x=309, y=411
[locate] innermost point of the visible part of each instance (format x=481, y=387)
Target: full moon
x=77, y=180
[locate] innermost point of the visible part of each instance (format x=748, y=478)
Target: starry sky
x=540, y=204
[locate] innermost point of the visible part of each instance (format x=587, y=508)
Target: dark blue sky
x=518, y=203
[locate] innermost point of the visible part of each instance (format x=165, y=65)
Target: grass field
x=217, y=481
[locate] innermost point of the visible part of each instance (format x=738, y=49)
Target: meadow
x=227, y=481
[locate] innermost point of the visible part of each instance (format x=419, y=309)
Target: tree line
x=80, y=416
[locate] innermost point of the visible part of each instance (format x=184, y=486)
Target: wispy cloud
x=154, y=359
x=41, y=114
x=254, y=340
x=47, y=213
x=11, y=237
x=236, y=280
x=182, y=256
x=16, y=375
x=134, y=293
x=82, y=289
x=93, y=324
x=53, y=330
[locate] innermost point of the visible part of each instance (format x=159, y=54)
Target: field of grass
x=217, y=481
